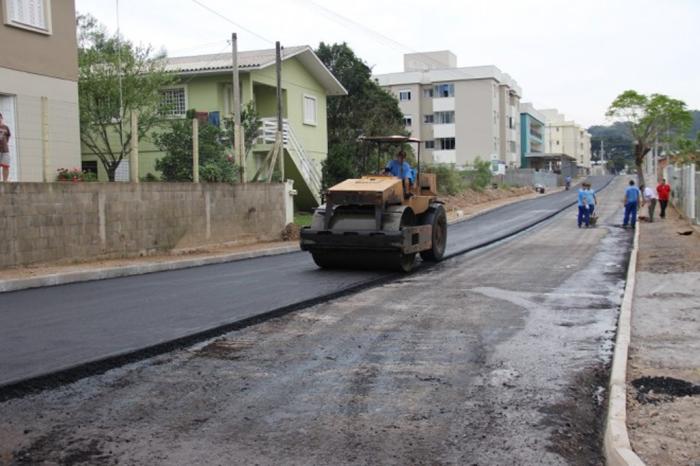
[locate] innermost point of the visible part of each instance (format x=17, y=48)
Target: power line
x=229, y=20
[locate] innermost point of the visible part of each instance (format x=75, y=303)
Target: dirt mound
x=291, y=232
x=466, y=200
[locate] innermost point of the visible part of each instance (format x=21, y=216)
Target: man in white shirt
x=650, y=197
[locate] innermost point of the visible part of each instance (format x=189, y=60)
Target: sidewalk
x=663, y=377
x=56, y=274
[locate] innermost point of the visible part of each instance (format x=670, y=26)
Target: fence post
x=45, y=160
x=134, y=152
x=195, y=150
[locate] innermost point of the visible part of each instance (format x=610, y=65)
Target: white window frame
x=307, y=120
x=408, y=121
x=7, y=13
x=428, y=119
x=173, y=88
x=429, y=144
x=407, y=91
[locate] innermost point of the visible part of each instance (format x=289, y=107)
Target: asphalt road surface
x=49, y=329
x=498, y=356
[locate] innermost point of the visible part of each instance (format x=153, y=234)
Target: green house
x=205, y=83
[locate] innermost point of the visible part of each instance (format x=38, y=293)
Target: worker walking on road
x=584, y=213
x=631, y=202
x=664, y=192
x=650, y=199
x=591, y=200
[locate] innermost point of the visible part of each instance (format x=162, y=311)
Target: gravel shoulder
x=663, y=390
x=495, y=357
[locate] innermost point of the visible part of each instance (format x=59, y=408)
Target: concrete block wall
x=48, y=222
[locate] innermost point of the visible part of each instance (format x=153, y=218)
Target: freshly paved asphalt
x=45, y=330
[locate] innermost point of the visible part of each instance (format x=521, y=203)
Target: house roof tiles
x=255, y=60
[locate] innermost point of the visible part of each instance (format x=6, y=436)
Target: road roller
x=379, y=220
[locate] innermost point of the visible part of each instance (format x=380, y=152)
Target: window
x=29, y=14
x=445, y=143
x=511, y=125
x=512, y=100
x=173, y=102
x=495, y=116
x=309, y=110
x=444, y=117
x=557, y=129
x=89, y=166
x=428, y=92
x=430, y=144
x=404, y=94
x=444, y=90
x=511, y=145
x=557, y=142
x=407, y=120
x=428, y=118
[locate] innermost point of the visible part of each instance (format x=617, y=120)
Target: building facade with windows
x=567, y=137
x=205, y=85
x=459, y=113
x=532, y=133
x=39, y=86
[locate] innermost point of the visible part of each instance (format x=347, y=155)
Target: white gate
x=7, y=108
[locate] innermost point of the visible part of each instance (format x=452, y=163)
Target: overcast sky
x=573, y=56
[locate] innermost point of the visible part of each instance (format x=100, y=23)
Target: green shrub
x=214, y=165
x=482, y=174
x=449, y=180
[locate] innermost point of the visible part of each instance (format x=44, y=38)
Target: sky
x=575, y=56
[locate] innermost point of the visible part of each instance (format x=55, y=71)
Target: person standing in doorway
x=631, y=202
x=649, y=198
x=664, y=192
x=4, y=149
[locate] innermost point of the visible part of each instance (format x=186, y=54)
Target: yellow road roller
x=379, y=220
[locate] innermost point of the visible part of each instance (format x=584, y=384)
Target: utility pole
x=134, y=152
x=45, y=160
x=195, y=150
x=237, y=131
x=656, y=157
x=280, y=129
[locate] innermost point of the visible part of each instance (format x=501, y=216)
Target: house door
x=7, y=108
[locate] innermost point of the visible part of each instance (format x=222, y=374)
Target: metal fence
x=529, y=177
x=685, y=189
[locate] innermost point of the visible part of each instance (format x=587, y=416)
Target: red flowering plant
x=75, y=175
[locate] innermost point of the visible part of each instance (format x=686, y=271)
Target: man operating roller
x=401, y=169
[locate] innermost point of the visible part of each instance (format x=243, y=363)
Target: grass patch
x=303, y=219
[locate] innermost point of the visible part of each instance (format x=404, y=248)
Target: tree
x=367, y=110
x=214, y=164
x=648, y=118
x=116, y=77
x=251, y=123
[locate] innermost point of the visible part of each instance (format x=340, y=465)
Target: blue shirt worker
x=399, y=167
x=631, y=201
x=584, y=213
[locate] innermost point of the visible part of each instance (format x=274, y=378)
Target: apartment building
x=566, y=137
x=460, y=113
x=39, y=86
x=532, y=133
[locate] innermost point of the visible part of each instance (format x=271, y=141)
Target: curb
x=616, y=442
x=140, y=269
